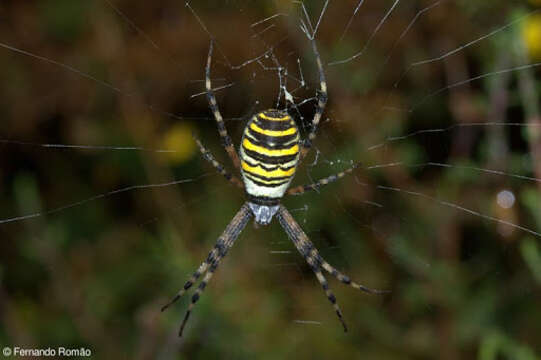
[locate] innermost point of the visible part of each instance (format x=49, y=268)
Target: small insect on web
x=270, y=152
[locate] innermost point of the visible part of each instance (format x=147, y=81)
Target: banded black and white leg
x=324, y=284
x=226, y=139
x=208, y=267
x=207, y=155
x=301, y=189
x=322, y=96
x=195, y=297
x=316, y=262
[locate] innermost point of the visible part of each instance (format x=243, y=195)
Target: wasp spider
x=270, y=152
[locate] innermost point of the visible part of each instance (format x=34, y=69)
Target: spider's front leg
x=316, y=262
x=224, y=243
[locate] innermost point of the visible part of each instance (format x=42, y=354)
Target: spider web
x=428, y=111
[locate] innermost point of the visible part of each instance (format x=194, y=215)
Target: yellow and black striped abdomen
x=269, y=154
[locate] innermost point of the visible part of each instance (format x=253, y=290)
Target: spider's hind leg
x=322, y=97
x=213, y=104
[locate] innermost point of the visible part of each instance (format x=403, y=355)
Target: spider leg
x=226, y=139
x=224, y=243
x=201, y=288
x=329, y=293
x=188, y=284
x=207, y=155
x=299, y=190
x=321, y=100
x=346, y=280
x=312, y=257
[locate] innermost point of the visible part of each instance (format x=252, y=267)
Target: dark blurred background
x=431, y=226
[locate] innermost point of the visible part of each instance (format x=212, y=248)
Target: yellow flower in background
x=179, y=140
x=531, y=34
x=535, y=2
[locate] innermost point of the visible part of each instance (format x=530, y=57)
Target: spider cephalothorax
x=270, y=152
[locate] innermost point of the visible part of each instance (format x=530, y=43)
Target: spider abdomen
x=269, y=153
